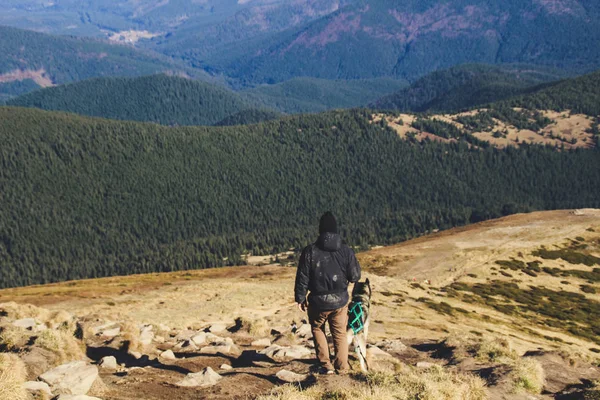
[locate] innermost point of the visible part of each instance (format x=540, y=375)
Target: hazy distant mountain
x=29, y=60
x=384, y=38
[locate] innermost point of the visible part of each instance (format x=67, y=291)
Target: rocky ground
x=234, y=333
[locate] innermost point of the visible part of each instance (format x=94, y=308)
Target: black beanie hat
x=327, y=223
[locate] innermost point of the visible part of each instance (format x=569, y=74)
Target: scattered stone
x=37, y=386
x=223, y=348
x=164, y=328
x=199, y=339
x=136, y=354
x=186, y=345
x=185, y=335
x=25, y=323
x=376, y=352
x=109, y=362
x=290, y=377
x=281, y=353
x=75, y=377
x=99, y=330
x=111, y=333
x=168, y=355
x=159, y=339
x=305, y=331
x=146, y=335
x=394, y=346
x=266, y=342
x=424, y=364
x=226, y=367
x=206, y=377
x=217, y=328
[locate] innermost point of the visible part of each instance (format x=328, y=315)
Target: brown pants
x=338, y=324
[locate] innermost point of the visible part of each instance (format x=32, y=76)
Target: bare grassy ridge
x=442, y=295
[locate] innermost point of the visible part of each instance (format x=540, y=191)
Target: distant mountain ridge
x=167, y=100
x=29, y=60
x=465, y=86
x=382, y=38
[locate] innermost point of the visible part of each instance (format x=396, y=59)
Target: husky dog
x=361, y=293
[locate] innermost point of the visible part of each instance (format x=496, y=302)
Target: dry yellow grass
x=130, y=333
x=528, y=375
x=12, y=337
x=62, y=343
x=434, y=383
x=12, y=377
x=495, y=350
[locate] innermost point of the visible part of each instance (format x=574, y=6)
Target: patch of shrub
x=569, y=255
x=588, y=289
x=528, y=375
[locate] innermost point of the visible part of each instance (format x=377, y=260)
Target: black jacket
x=326, y=268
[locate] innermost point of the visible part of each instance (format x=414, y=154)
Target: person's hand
x=302, y=306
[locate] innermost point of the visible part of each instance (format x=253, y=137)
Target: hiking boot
x=326, y=371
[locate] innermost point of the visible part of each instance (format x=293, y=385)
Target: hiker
x=326, y=268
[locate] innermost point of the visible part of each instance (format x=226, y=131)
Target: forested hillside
x=466, y=86
x=314, y=95
x=166, y=100
x=85, y=197
x=29, y=60
x=580, y=95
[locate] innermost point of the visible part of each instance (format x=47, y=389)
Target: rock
x=25, y=323
x=423, y=364
x=185, y=345
x=159, y=339
x=212, y=338
x=216, y=328
x=199, y=339
x=163, y=328
x=76, y=397
x=226, y=367
x=207, y=377
x=146, y=335
x=109, y=362
x=75, y=377
x=136, y=354
x=394, y=346
x=305, y=331
x=290, y=377
x=98, y=330
x=168, y=355
x=266, y=342
x=281, y=353
x=37, y=386
x=223, y=348
x=185, y=335
x=111, y=333
x=376, y=352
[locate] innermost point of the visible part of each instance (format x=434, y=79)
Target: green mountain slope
x=466, y=86
x=580, y=95
x=384, y=38
x=313, y=95
x=162, y=99
x=37, y=60
x=84, y=197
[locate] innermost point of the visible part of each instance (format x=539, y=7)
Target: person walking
x=325, y=270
